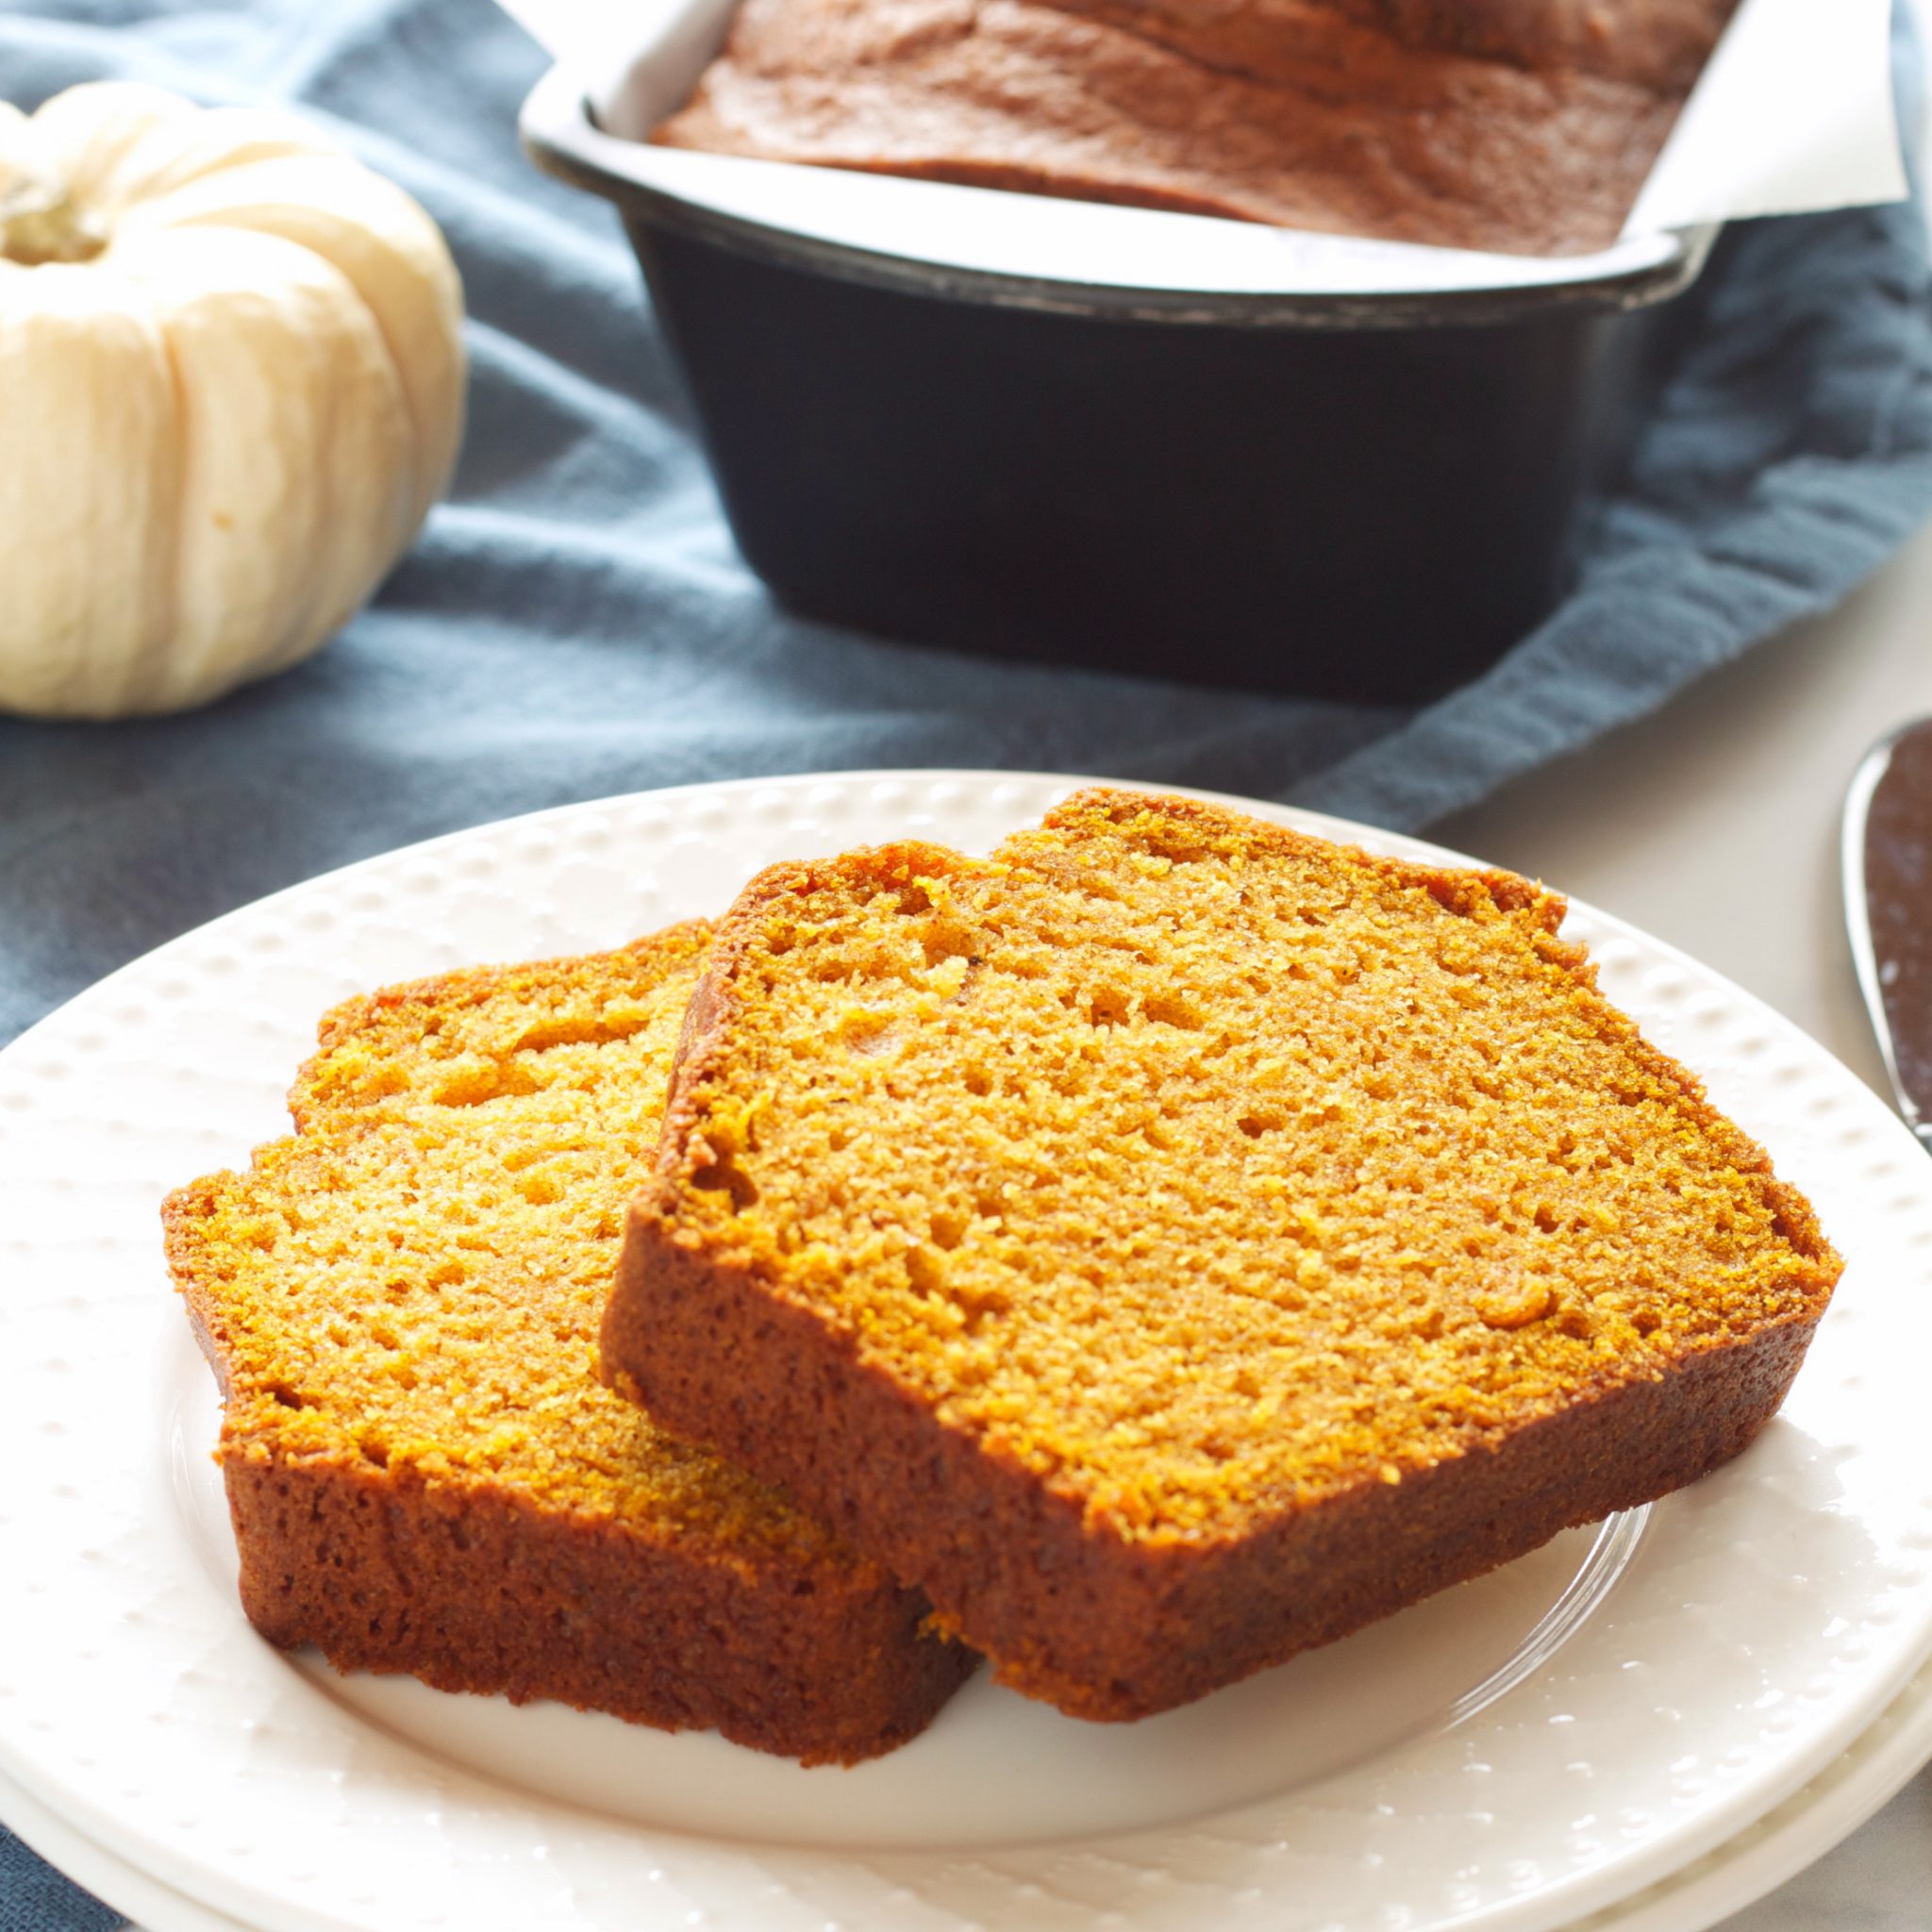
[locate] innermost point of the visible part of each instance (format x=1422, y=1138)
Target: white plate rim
x=1822, y=1815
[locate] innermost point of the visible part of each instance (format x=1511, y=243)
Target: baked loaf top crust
x=401, y=1302
x=1196, y=1175
x=1657, y=44
x=1519, y=126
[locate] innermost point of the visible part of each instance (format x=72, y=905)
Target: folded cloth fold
x=575, y=623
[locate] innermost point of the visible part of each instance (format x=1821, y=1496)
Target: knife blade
x=1888, y=882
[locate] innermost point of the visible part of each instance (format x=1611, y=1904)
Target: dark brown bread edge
x=488, y=1593
x=485, y=1592
x=1098, y=1625
x=1102, y=1627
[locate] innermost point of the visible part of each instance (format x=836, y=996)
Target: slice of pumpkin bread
x=1178, y=1241
x=424, y=1473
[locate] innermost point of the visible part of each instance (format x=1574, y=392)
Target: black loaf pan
x=1355, y=491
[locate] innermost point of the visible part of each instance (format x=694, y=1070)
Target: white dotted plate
x=1514, y=1754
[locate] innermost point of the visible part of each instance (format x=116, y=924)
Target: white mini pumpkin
x=231, y=386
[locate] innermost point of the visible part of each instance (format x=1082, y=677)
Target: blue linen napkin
x=575, y=623
x=35, y=1898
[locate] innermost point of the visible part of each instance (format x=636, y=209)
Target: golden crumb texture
x=1191, y=1190
x=426, y=1473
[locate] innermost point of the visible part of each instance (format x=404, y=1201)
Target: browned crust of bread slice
x=486, y=1592
x=1112, y=1630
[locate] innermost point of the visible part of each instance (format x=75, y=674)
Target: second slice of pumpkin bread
x=424, y=1473
x=1178, y=1241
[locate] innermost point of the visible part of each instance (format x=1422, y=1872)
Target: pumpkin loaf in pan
x=1177, y=1241
x=1524, y=125
x=423, y=1472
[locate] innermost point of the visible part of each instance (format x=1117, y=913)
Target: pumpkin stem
x=40, y=222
